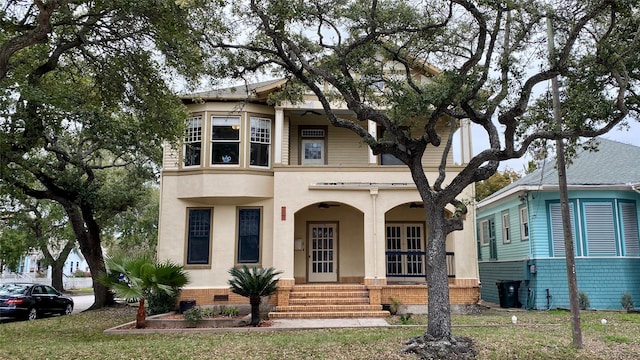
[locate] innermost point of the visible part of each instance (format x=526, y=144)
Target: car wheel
x=32, y=314
x=68, y=310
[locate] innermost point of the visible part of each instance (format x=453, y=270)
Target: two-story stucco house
x=278, y=186
x=520, y=234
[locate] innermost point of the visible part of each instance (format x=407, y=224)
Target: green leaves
x=254, y=281
x=138, y=277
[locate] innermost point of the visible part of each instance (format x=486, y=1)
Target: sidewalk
x=328, y=323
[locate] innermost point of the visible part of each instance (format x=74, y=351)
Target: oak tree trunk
x=88, y=235
x=439, y=324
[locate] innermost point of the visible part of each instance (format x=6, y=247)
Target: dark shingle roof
x=613, y=163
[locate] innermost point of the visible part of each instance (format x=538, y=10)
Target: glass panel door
x=312, y=152
x=323, y=253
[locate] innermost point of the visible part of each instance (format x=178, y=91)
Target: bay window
x=225, y=140
x=260, y=141
x=192, y=149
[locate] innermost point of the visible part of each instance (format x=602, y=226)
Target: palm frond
x=253, y=281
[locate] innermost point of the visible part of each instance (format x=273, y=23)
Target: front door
x=323, y=253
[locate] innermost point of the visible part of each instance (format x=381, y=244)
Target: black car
x=30, y=301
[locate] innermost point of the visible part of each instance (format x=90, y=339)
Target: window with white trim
x=260, y=141
x=484, y=232
x=312, y=143
x=192, y=144
x=506, y=231
x=524, y=223
x=225, y=140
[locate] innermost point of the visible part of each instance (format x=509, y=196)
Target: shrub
x=395, y=305
x=254, y=283
x=230, y=312
x=193, y=315
x=405, y=319
x=583, y=300
x=627, y=301
x=161, y=302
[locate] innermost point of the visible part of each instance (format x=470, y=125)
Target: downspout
x=635, y=187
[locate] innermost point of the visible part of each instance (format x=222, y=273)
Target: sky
x=480, y=142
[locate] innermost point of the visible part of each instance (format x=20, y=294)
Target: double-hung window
x=484, y=232
x=524, y=224
x=225, y=140
x=249, y=235
x=260, y=141
x=506, y=228
x=199, y=237
x=192, y=149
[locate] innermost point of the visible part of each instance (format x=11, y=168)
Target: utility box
x=508, y=293
x=185, y=305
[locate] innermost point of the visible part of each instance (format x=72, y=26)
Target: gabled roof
x=613, y=164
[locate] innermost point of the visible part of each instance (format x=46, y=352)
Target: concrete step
x=329, y=287
x=328, y=314
x=329, y=308
x=329, y=301
x=327, y=294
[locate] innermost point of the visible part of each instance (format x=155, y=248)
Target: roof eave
x=548, y=187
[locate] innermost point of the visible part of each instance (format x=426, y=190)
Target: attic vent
x=220, y=297
x=313, y=133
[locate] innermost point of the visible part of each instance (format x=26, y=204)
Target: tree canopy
x=86, y=104
x=486, y=63
x=495, y=182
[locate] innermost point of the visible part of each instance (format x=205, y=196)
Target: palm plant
x=140, y=277
x=254, y=283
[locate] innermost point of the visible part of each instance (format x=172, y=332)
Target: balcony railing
x=412, y=264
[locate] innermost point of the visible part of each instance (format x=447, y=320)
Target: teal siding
x=491, y=272
x=539, y=226
x=603, y=279
x=514, y=250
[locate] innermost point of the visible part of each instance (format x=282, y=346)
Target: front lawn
x=536, y=335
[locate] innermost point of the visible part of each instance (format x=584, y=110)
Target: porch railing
x=412, y=264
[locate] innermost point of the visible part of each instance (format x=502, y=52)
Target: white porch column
x=465, y=141
x=374, y=250
x=278, y=137
x=373, y=130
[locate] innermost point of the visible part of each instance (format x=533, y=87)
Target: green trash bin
x=508, y=293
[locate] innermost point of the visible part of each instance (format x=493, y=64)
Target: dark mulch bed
x=426, y=347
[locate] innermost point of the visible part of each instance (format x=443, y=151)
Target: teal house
x=520, y=241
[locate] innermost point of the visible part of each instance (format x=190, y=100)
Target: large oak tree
x=86, y=104
x=493, y=71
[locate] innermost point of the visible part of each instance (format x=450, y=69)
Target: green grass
x=83, y=291
x=538, y=335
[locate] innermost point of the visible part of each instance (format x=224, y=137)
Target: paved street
x=81, y=302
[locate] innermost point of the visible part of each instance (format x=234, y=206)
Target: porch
x=368, y=299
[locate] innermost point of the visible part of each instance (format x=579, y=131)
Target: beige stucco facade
x=349, y=195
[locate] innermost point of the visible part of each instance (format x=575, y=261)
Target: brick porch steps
x=326, y=301
x=328, y=315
